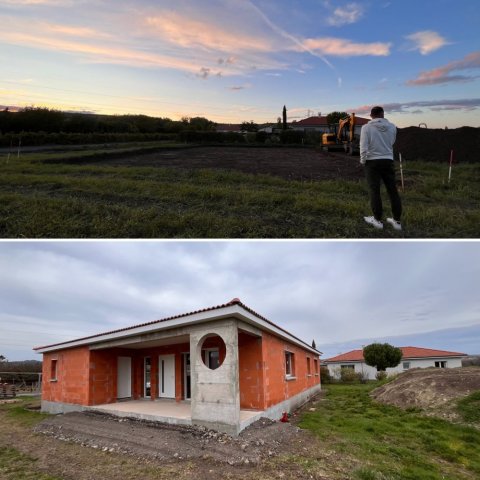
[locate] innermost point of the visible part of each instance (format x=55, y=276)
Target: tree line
x=33, y=119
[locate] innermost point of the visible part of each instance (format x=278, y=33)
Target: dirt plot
x=289, y=163
x=254, y=451
x=169, y=442
x=433, y=390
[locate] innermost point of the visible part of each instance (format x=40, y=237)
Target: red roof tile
x=408, y=352
x=234, y=301
x=312, y=121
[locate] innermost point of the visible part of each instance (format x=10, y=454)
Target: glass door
x=147, y=369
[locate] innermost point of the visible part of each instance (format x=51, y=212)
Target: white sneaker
x=396, y=225
x=374, y=222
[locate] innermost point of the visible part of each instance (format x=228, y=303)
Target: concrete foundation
x=176, y=413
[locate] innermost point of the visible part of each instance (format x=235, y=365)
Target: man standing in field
x=376, y=153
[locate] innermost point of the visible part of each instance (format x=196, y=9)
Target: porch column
x=215, y=394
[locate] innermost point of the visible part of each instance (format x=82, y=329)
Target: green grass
x=14, y=465
x=469, y=407
x=26, y=412
x=391, y=443
x=74, y=200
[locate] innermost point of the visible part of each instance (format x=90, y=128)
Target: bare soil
x=87, y=446
x=289, y=163
x=162, y=441
x=433, y=390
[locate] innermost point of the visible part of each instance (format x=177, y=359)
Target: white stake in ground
x=450, y=167
x=401, y=173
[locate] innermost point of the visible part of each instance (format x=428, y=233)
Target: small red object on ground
x=284, y=418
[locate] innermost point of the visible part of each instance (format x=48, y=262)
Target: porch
x=164, y=410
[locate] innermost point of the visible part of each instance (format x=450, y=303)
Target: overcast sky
x=342, y=294
x=241, y=60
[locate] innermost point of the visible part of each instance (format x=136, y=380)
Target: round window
x=213, y=351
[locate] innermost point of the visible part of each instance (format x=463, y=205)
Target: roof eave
x=236, y=310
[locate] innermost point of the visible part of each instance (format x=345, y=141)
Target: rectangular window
x=315, y=364
x=441, y=364
x=289, y=364
x=309, y=368
x=351, y=367
x=53, y=370
x=406, y=365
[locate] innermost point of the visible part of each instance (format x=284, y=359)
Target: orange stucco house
x=222, y=367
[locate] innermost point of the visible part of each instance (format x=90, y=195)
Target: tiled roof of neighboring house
x=234, y=301
x=311, y=121
x=318, y=121
x=408, y=352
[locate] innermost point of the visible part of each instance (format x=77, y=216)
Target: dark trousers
x=377, y=171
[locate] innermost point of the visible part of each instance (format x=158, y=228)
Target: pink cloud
x=345, y=48
x=443, y=75
x=427, y=41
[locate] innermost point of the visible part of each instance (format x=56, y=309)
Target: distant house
x=223, y=367
x=228, y=128
x=311, y=124
x=319, y=124
x=413, y=357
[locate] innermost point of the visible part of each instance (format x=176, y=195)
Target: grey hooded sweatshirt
x=376, y=140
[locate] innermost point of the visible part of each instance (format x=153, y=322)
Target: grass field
x=74, y=200
x=354, y=438
x=389, y=443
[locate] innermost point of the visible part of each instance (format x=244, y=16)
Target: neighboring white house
x=413, y=357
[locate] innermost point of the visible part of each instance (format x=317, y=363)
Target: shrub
x=348, y=375
x=362, y=377
x=381, y=375
x=325, y=375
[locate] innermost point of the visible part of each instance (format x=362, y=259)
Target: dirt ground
x=289, y=163
x=434, y=390
x=161, y=441
x=87, y=446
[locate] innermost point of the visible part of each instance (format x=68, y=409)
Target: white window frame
x=406, y=365
x=440, y=364
x=289, y=365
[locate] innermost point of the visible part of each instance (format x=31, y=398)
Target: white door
x=124, y=377
x=166, y=376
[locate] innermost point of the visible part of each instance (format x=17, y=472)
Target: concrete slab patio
x=166, y=411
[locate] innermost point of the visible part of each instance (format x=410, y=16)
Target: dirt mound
x=434, y=145
x=433, y=390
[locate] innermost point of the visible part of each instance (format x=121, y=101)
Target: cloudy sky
x=235, y=60
x=342, y=294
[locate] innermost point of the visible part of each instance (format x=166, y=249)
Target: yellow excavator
x=345, y=138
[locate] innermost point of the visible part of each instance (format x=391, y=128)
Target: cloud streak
x=340, y=47
x=443, y=75
x=465, y=104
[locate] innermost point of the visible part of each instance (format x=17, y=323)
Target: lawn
x=347, y=437
x=70, y=199
x=388, y=443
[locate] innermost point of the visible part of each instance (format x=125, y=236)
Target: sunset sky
x=236, y=60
